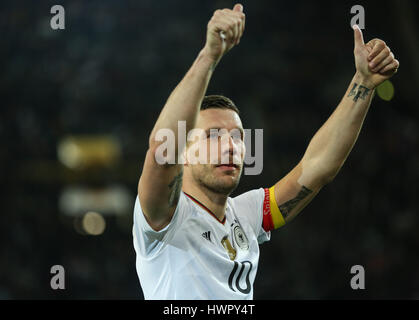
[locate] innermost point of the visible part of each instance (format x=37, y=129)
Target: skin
x=160, y=185
x=212, y=183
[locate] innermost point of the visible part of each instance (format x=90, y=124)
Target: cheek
x=205, y=172
x=197, y=152
x=213, y=147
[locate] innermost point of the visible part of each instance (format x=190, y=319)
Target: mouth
x=228, y=166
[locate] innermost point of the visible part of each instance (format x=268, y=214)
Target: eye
x=237, y=136
x=213, y=134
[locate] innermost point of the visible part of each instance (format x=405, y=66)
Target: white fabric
x=186, y=260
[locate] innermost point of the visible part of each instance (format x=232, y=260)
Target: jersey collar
x=206, y=209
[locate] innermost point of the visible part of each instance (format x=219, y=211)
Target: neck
x=215, y=202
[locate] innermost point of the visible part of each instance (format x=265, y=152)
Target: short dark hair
x=218, y=102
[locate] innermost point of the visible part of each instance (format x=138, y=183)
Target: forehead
x=218, y=118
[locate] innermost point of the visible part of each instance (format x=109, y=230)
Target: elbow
x=320, y=173
x=163, y=155
x=331, y=174
x=320, y=180
x=328, y=178
x=152, y=142
x=163, y=146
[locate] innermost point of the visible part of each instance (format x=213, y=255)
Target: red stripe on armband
x=267, y=223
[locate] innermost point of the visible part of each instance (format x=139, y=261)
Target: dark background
x=110, y=72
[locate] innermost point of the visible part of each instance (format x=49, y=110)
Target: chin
x=218, y=181
x=224, y=185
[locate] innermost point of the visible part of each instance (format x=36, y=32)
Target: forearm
x=184, y=102
x=333, y=142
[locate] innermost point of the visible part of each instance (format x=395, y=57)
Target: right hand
x=231, y=24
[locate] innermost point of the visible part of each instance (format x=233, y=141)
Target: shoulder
x=184, y=208
x=249, y=203
x=254, y=195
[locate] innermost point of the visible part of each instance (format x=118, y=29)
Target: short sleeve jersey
x=197, y=256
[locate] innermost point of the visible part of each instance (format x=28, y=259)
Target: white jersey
x=198, y=256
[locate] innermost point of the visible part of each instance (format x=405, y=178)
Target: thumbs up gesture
x=224, y=31
x=374, y=60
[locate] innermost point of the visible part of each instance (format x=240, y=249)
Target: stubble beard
x=207, y=179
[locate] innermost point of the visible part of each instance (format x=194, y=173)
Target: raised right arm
x=160, y=185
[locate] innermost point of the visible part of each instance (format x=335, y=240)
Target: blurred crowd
x=110, y=72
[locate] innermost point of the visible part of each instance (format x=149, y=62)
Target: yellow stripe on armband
x=277, y=217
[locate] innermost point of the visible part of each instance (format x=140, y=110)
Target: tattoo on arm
x=175, y=187
x=287, y=207
x=362, y=92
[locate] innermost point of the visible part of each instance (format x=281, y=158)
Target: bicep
x=296, y=190
x=159, y=190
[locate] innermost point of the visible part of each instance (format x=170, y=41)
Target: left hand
x=374, y=60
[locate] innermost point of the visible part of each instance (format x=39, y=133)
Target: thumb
x=238, y=7
x=358, y=37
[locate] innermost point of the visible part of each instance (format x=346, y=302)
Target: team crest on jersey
x=240, y=237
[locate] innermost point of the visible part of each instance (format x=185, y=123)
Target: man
x=192, y=240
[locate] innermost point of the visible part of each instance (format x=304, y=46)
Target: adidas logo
x=207, y=235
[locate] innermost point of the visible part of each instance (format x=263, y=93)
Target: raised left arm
x=332, y=143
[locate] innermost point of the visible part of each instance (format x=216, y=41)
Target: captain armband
x=272, y=217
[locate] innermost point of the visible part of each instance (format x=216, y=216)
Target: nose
x=229, y=146
x=232, y=150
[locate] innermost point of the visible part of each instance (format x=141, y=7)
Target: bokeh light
x=386, y=90
x=93, y=223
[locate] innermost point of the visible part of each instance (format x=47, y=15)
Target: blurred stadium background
x=77, y=106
